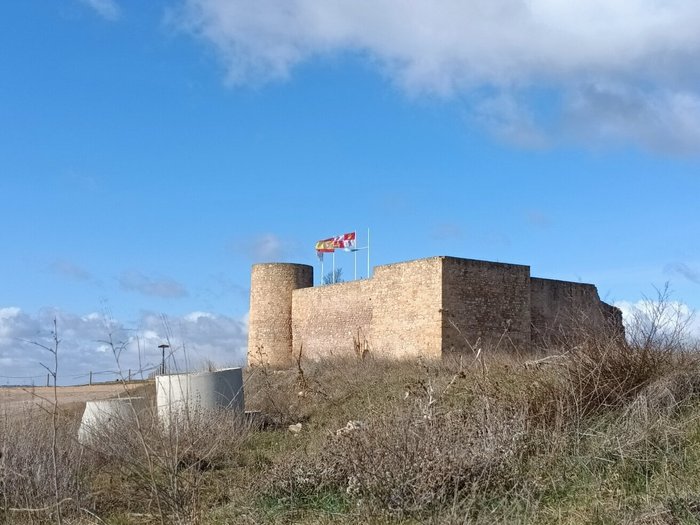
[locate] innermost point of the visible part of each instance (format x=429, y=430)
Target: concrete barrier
x=102, y=416
x=182, y=395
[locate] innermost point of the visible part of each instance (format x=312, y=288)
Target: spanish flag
x=325, y=246
x=346, y=241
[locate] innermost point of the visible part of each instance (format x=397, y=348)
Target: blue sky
x=150, y=152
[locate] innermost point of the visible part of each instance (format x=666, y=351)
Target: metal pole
x=333, y=277
x=90, y=377
x=162, y=365
x=48, y=379
x=368, y=276
x=322, y=275
x=355, y=250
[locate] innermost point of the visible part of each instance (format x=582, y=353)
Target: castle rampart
x=427, y=307
x=270, y=317
x=485, y=303
x=327, y=319
x=559, y=309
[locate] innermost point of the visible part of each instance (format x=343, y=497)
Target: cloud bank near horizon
x=195, y=338
x=669, y=316
x=614, y=71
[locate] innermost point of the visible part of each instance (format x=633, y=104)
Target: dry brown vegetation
x=143, y=472
x=596, y=432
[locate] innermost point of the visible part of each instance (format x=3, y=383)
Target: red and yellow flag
x=325, y=246
x=342, y=242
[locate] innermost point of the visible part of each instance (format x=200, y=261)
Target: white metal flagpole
x=333, y=277
x=368, y=275
x=355, y=250
x=321, y=281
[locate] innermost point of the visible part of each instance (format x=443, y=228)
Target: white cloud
x=198, y=337
x=107, y=9
x=165, y=288
x=668, y=315
x=599, y=56
x=660, y=120
x=10, y=312
x=194, y=338
x=193, y=317
x=510, y=120
x=15, y=324
x=70, y=270
x=266, y=247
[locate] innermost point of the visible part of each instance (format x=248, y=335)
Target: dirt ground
x=70, y=398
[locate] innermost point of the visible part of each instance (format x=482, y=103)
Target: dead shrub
x=603, y=374
x=167, y=470
x=599, y=369
x=666, y=395
x=28, y=485
x=424, y=455
x=463, y=440
x=149, y=470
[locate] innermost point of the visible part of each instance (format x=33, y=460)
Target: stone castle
x=427, y=307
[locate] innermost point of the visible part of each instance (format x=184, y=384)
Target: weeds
x=183, y=463
x=40, y=466
x=596, y=431
x=497, y=440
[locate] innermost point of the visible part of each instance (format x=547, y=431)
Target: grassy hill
x=604, y=432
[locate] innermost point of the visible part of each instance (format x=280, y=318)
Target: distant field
x=70, y=398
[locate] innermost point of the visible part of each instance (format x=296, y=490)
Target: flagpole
x=333, y=278
x=321, y=280
x=355, y=264
x=355, y=250
x=368, y=275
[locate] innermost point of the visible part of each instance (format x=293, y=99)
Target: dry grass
x=164, y=473
x=598, y=432
x=70, y=398
x=503, y=440
x=26, y=466
x=144, y=472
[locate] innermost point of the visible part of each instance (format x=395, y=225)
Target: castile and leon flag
x=347, y=241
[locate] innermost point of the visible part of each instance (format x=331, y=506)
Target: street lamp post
x=162, y=351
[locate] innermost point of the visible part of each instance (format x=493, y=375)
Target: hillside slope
x=604, y=433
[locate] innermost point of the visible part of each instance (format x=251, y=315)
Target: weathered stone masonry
x=428, y=307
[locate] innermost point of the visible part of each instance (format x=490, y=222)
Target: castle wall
x=428, y=307
x=407, y=299
x=395, y=313
x=485, y=302
x=327, y=320
x=270, y=318
x=564, y=310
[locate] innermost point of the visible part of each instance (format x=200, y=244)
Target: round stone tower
x=270, y=318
